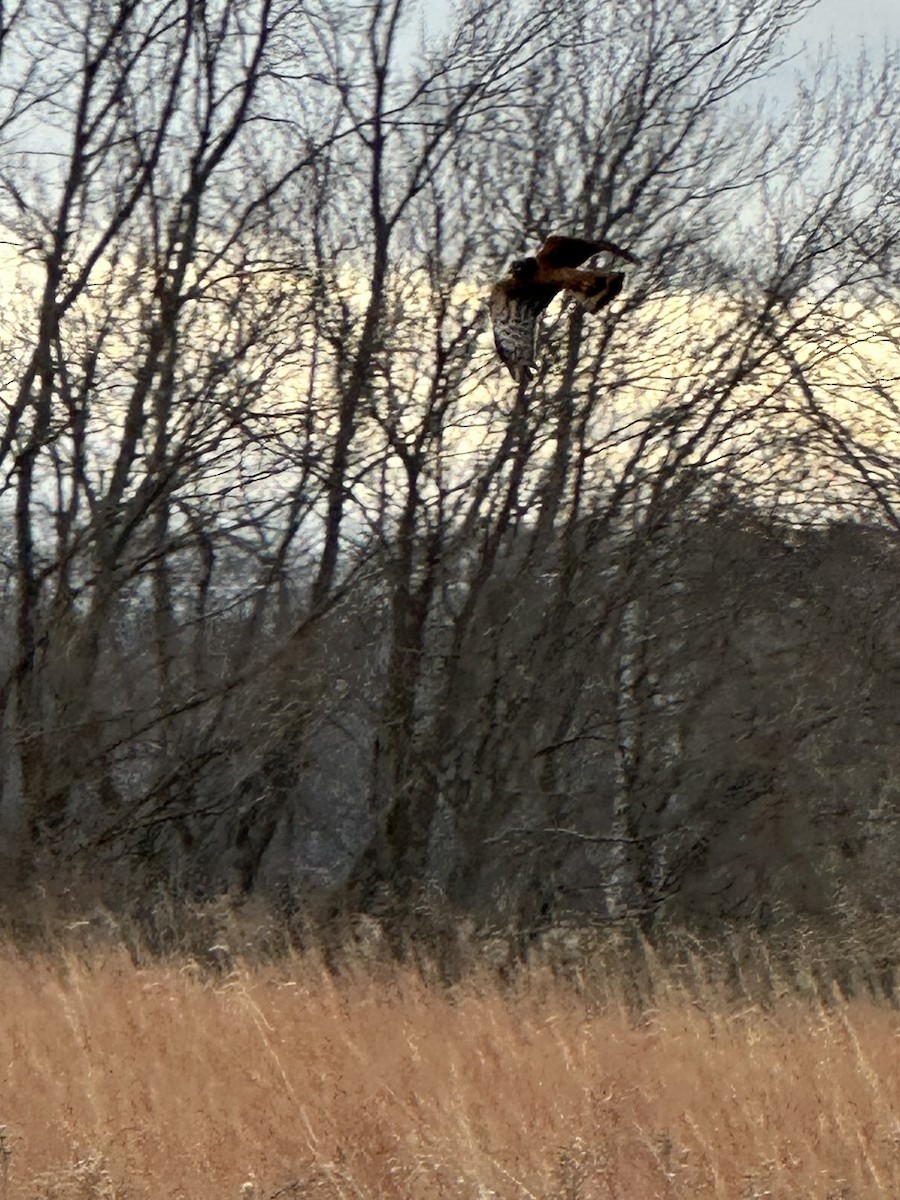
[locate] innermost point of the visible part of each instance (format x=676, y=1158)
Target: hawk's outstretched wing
x=515, y=308
x=572, y=252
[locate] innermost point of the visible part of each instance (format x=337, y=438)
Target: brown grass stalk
x=122, y=1081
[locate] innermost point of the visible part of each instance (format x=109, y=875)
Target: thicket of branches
x=302, y=593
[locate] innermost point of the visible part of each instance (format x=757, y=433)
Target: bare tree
x=143, y=349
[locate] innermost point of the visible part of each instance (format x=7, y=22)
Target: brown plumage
x=520, y=297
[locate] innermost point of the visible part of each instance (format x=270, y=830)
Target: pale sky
x=852, y=22
x=849, y=26
x=849, y=22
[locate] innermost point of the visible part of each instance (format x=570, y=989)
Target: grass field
x=154, y=1080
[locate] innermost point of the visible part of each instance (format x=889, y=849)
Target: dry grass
x=122, y=1081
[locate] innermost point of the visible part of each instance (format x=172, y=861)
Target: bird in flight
x=519, y=298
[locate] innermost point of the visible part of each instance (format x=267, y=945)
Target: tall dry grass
x=120, y=1080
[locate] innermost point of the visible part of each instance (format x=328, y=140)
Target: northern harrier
x=520, y=297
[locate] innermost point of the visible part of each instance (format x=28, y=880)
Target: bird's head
x=523, y=270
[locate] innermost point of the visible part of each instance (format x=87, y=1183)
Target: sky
x=849, y=26
x=852, y=22
x=853, y=25
x=846, y=20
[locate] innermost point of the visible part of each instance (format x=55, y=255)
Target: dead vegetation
x=124, y=1078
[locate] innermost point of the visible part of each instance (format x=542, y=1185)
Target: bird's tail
x=597, y=292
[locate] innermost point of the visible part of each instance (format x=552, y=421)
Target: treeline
x=700, y=729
